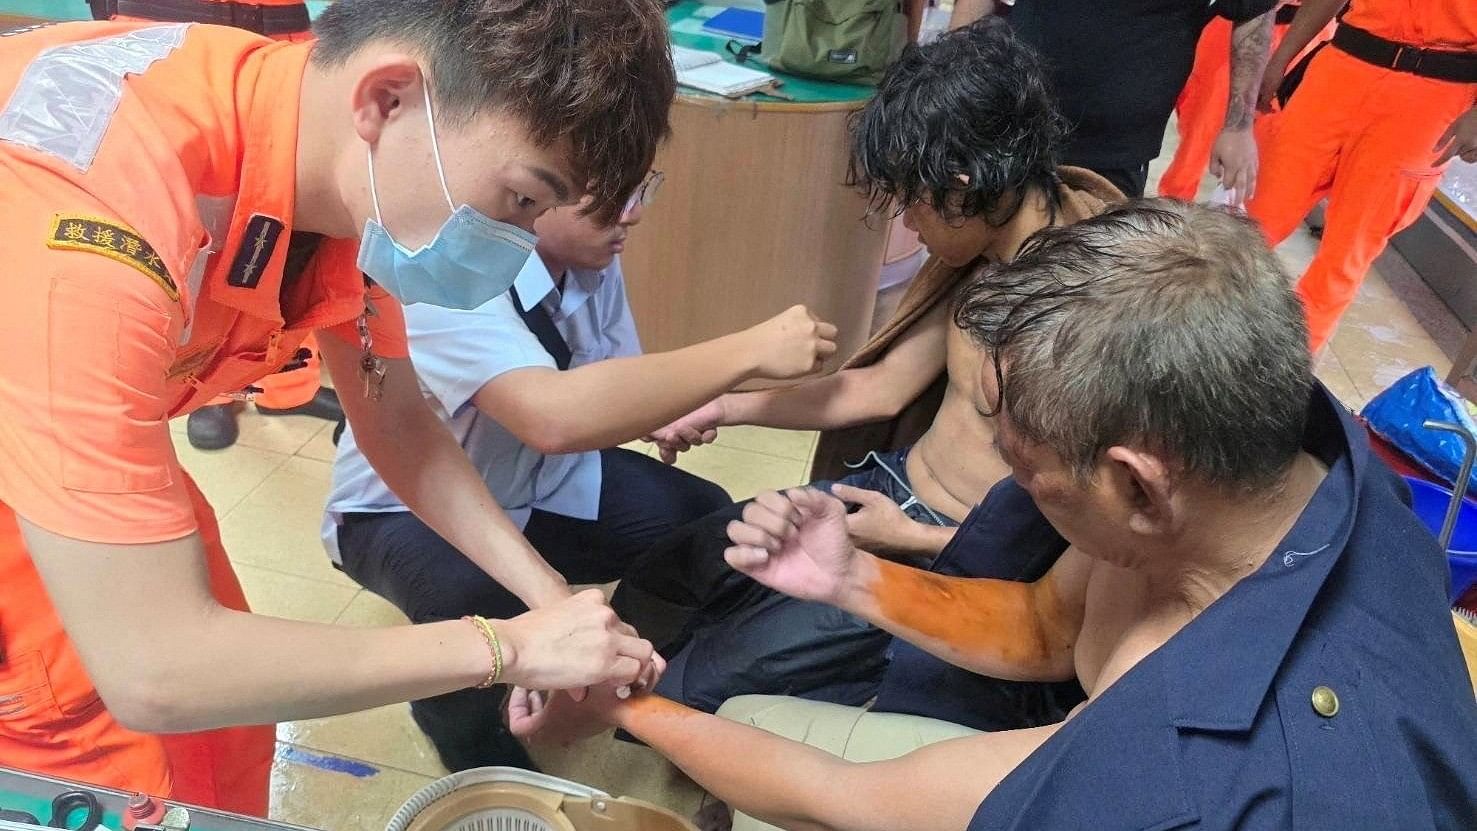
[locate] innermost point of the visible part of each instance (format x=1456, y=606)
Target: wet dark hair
x=595, y=72
x=1160, y=323
x=975, y=102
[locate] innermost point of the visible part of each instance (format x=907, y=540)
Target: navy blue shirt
x=1217, y=728
x=1005, y=538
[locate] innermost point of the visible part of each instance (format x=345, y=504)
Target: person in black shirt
x=1118, y=67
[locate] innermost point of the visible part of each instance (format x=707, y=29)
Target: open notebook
x=710, y=73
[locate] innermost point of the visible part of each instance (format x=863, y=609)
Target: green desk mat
x=685, y=21
x=687, y=15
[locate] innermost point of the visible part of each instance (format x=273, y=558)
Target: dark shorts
x=725, y=635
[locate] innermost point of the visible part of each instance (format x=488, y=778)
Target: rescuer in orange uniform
x=295, y=390
x=1201, y=109
x=1382, y=108
x=180, y=205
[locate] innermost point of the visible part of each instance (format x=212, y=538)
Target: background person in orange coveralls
x=1201, y=108
x=1118, y=68
x=295, y=390
x=1377, y=116
x=180, y=205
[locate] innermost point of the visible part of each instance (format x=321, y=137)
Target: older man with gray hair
x=1256, y=615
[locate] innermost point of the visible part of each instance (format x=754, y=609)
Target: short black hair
x=974, y=103
x=597, y=72
x=1160, y=323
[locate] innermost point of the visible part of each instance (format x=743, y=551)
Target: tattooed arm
x=1234, y=159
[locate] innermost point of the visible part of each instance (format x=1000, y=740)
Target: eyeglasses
x=645, y=193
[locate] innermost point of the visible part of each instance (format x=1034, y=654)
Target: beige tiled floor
x=269, y=491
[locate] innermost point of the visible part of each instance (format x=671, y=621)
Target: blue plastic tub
x=1430, y=503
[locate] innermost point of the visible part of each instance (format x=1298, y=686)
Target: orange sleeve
x=387, y=325
x=84, y=428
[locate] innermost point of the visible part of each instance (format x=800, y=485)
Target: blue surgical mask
x=471, y=260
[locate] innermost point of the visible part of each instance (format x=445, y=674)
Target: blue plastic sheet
x=1399, y=415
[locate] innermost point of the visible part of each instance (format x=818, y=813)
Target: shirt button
x=1325, y=702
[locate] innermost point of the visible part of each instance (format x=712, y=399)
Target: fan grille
x=502, y=819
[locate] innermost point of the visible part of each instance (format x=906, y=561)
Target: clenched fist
x=791, y=344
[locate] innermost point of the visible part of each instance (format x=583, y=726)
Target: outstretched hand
x=1234, y=161
x=697, y=428
x=1460, y=139
x=878, y=525
x=795, y=542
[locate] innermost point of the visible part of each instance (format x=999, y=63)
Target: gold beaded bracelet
x=493, y=645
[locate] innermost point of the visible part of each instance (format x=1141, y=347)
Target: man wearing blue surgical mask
x=180, y=206
x=471, y=259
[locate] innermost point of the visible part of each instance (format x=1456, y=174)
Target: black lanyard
x=542, y=326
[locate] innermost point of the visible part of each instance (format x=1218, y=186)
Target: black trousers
x=726, y=635
x=398, y=557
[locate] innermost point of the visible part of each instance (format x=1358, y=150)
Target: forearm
x=842, y=399
x=924, y=539
x=422, y=464
x=1250, y=44
x=425, y=467
x=167, y=657
x=1311, y=18
x=992, y=627
x=635, y=395
x=776, y=780
x=238, y=668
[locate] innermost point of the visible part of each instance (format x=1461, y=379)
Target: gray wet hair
x=1158, y=324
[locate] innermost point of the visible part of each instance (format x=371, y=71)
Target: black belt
x=1285, y=13
x=263, y=20
x=1437, y=64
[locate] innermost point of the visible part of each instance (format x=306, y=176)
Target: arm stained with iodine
x=1001, y=628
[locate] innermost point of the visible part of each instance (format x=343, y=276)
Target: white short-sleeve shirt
x=456, y=352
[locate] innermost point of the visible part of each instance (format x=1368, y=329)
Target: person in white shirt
x=540, y=386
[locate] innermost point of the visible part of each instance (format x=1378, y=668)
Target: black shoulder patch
x=116, y=242
x=257, y=245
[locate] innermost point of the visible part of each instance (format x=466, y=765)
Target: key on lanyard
x=372, y=368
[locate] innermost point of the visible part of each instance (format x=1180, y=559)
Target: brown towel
x=1082, y=193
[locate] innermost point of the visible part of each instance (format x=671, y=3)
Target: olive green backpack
x=850, y=41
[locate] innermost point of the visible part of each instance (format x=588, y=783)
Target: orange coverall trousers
x=1365, y=138
x=58, y=723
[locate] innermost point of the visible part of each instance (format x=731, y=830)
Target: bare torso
x=1119, y=627
x=1125, y=618
x=954, y=464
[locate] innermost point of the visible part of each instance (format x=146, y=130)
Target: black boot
x=324, y=404
x=213, y=427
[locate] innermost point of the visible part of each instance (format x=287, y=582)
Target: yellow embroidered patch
x=116, y=242
x=192, y=359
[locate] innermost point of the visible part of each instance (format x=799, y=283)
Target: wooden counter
x=754, y=217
